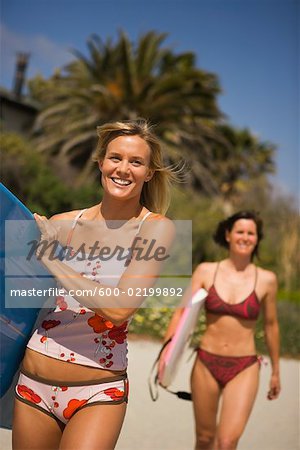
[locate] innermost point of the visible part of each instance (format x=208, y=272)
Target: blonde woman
x=73, y=387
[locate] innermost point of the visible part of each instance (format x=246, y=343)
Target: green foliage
x=125, y=80
x=205, y=214
x=26, y=173
x=244, y=160
x=38, y=86
x=151, y=321
x=289, y=296
x=154, y=323
x=279, y=250
x=288, y=318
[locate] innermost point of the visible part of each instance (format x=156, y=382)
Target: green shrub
x=28, y=175
x=154, y=322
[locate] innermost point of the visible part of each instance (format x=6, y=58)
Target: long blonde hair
x=155, y=194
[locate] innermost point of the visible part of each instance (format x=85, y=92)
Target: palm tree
x=243, y=160
x=123, y=81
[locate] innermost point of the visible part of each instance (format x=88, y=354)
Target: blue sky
x=252, y=45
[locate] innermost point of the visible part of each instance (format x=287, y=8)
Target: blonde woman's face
x=126, y=167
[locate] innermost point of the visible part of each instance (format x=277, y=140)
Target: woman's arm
x=271, y=329
x=197, y=281
x=140, y=275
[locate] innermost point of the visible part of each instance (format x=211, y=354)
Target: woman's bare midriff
x=229, y=336
x=50, y=368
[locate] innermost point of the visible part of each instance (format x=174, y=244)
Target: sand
x=167, y=424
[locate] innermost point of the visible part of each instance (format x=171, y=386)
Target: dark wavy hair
x=227, y=225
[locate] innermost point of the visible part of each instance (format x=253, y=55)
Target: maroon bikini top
x=247, y=309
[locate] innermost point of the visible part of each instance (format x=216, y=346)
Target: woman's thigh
x=96, y=427
x=238, y=399
x=33, y=429
x=206, y=394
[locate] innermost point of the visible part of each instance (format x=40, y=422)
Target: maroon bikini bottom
x=225, y=368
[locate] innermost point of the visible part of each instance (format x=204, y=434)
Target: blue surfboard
x=18, y=273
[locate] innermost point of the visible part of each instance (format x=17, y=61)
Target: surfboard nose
x=201, y=294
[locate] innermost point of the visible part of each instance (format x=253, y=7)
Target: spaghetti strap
x=215, y=274
x=143, y=220
x=77, y=217
x=75, y=220
x=256, y=276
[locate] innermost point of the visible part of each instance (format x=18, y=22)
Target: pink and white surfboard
x=181, y=338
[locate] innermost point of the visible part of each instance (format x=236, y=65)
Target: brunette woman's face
x=242, y=239
x=126, y=167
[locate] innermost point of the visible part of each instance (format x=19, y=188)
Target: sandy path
x=168, y=423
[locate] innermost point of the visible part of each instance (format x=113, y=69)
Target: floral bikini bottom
x=63, y=401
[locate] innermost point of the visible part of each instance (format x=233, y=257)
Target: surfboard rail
x=17, y=314
x=184, y=331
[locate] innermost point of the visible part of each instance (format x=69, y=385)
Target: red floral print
x=118, y=334
x=48, y=324
x=114, y=393
x=73, y=406
x=28, y=394
x=99, y=324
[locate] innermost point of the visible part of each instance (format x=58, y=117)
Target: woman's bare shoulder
x=158, y=223
x=155, y=217
x=204, y=270
x=203, y=275
x=268, y=277
x=68, y=215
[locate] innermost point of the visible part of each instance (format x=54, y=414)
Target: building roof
x=19, y=102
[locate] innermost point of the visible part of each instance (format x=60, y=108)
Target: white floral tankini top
x=78, y=335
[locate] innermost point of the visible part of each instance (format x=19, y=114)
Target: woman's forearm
x=116, y=308
x=273, y=344
x=120, y=302
x=173, y=324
